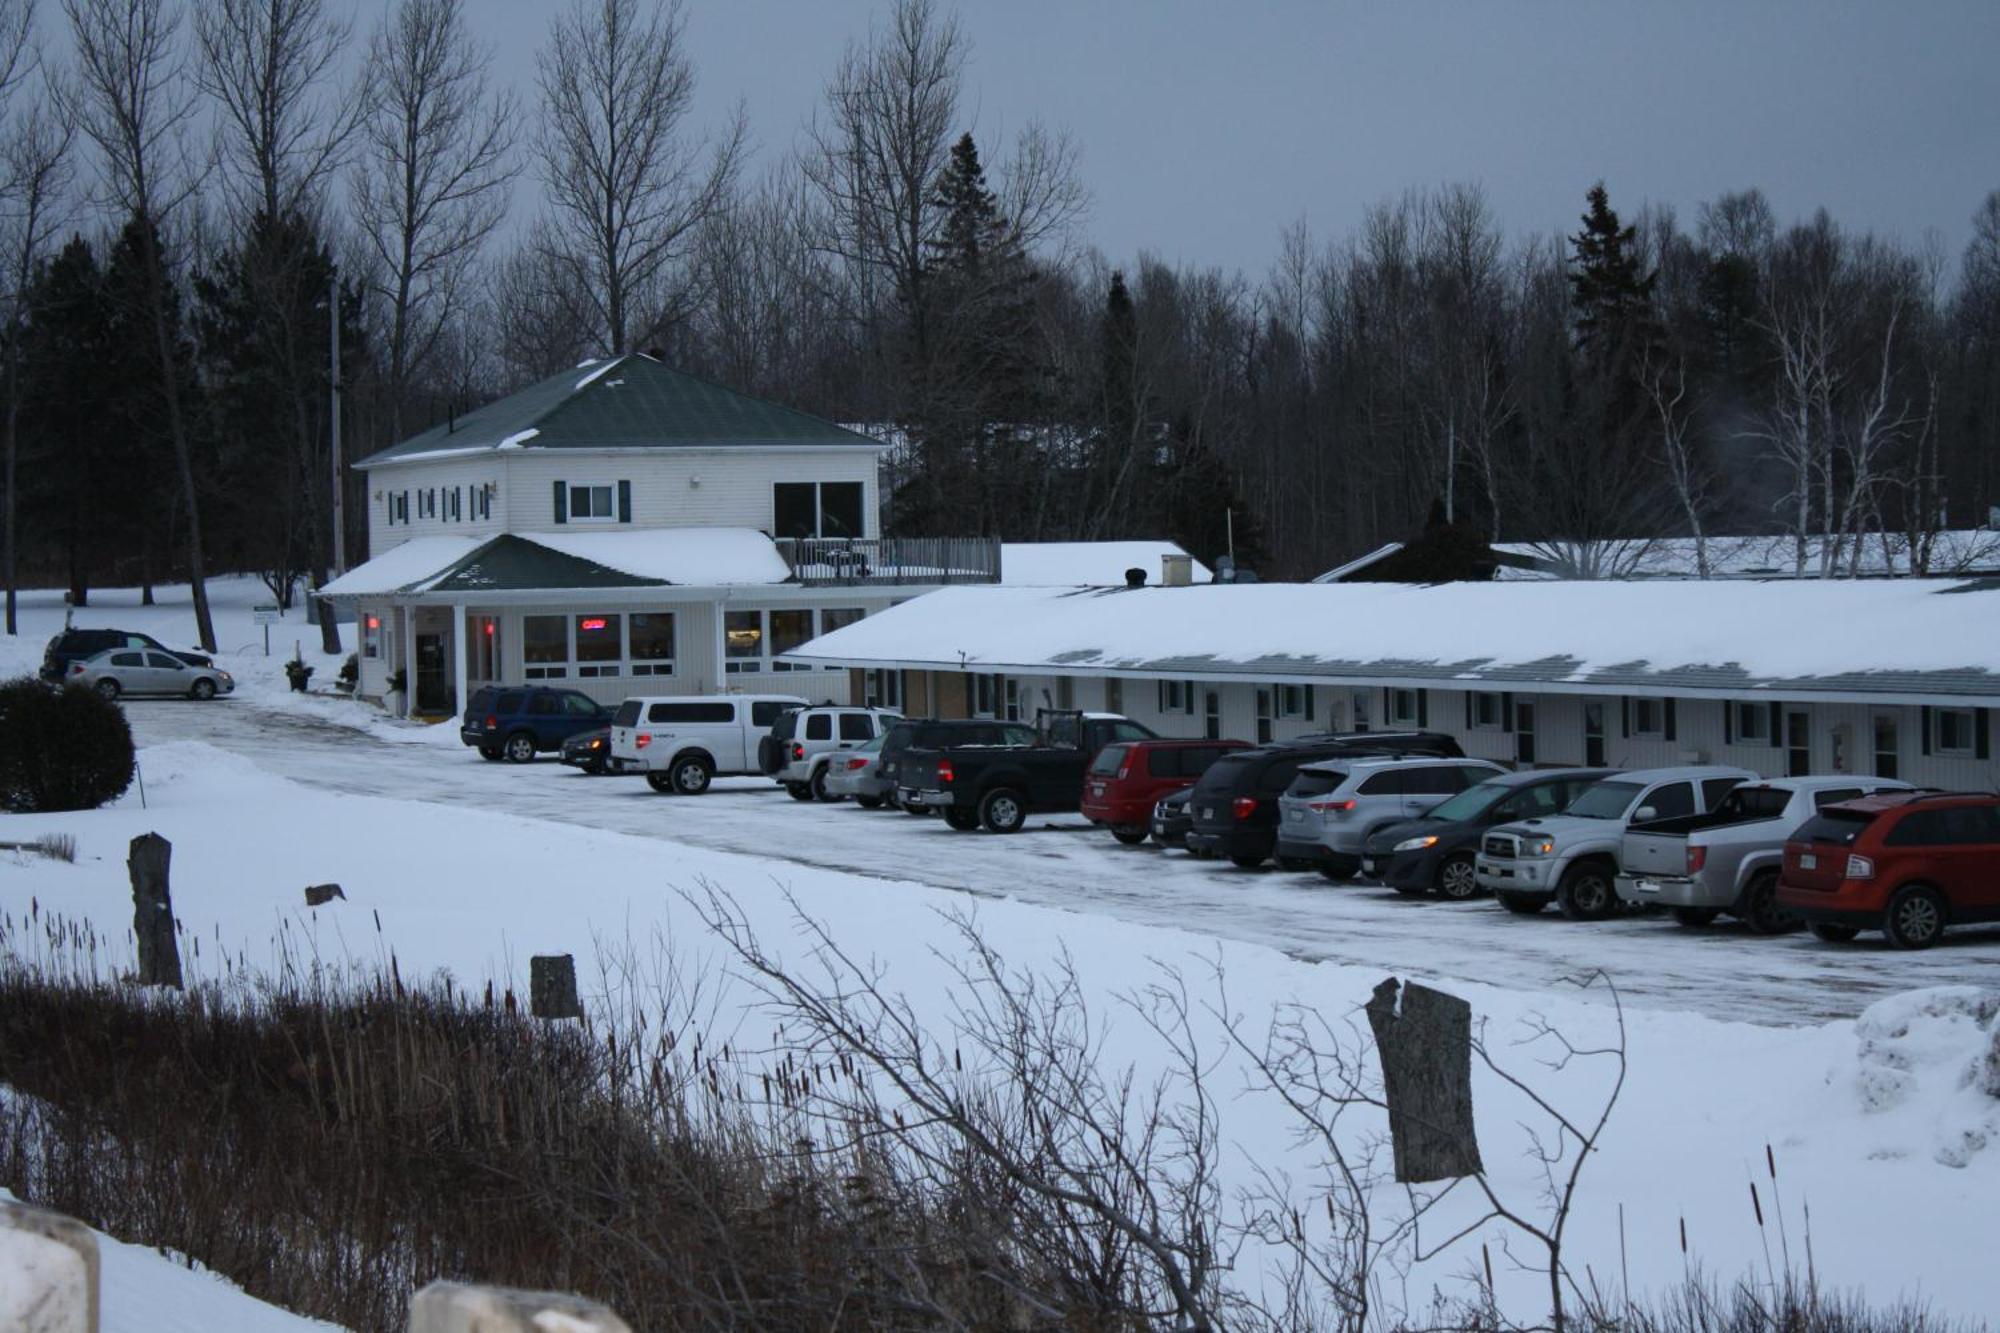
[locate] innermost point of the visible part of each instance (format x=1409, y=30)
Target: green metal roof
x=626, y=402
x=512, y=564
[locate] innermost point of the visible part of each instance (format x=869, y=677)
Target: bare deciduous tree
x=135, y=104
x=628, y=185
x=432, y=181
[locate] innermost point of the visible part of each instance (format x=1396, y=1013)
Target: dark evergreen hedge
x=60, y=748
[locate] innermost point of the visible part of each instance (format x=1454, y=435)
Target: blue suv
x=518, y=722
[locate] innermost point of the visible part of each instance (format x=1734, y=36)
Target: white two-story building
x=626, y=528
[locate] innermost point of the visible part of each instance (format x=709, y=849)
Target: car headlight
x=1538, y=847
x=1416, y=844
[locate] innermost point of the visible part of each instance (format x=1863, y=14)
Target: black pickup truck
x=998, y=787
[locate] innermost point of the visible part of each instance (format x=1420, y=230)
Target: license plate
x=1807, y=861
x=1646, y=885
x=1367, y=867
x=1097, y=789
x=1208, y=812
x=1295, y=815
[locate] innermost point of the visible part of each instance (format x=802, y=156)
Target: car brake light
x=944, y=771
x=1334, y=807
x=76, y=668
x=1245, y=806
x=798, y=750
x=1124, y=771
x=643, y=740
x=1697, y=858
x=1860, y=867
x=493, y=724
x=853, y=764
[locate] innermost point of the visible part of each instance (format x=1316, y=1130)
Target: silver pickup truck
x=1572, y=858
x=1728, y=859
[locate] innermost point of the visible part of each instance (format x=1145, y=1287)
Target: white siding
x=682, y=489
x=419, y=479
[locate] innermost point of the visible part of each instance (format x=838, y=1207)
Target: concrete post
x=455, y=1307
x=48, y=1272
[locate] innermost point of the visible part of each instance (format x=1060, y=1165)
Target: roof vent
x=1135, y=578
x=1176, y=569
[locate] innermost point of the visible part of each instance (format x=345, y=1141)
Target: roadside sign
x=265, y=615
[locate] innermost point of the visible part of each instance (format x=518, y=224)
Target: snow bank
x=415, y=562
x=1772, y=630
x=1926, y=1068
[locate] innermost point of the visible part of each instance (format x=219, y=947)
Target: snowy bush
x=60, y=749
x=1930, y=1060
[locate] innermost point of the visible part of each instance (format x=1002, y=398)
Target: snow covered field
x=1879, y=1128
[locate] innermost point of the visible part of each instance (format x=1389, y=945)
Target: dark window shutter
x=1388, y=707
x=624, y=502
x=1423, y=708
x=1777, y=736
x=562, y=502
x=1669, y=719
x=1982, y=734
x=1728, y=723
x=1507, y=719
x=1926, y=724
x=1309, y=713
x=1160, y=690
x=1624, y=716
x=1187, y=697
x=1468, y=710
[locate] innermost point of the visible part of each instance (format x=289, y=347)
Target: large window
x=1648, y=718
x=752, y=641
x=882, y=689
x=592, y=503
x=817, y=509
x=790, y=630
x=1484, y=712
x=1954, y=728
x=597, y=645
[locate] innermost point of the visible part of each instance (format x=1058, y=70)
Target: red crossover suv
x=1905, y=863
x=1125, y=780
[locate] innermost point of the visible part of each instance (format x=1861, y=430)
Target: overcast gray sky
x=1207, y=127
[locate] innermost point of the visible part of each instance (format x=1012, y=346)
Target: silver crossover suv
x=1326, y=815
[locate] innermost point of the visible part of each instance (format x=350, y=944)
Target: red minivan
x=1125, y=780
x=1907, y=864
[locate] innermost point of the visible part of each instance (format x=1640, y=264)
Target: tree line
x=193, y=200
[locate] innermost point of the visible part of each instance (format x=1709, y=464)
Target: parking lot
x=1722, y=970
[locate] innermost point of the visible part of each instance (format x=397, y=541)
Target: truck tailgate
x=1653, y=854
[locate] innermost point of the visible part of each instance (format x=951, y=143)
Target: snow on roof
x=1703, y=635
x=1952, y=553
x=1085, y=564
x=690, y=557
x=697, y=557
x=415, y=561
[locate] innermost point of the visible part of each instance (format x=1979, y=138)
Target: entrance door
x=1798, y=742
x=433, y=676
x=1524, y=733
x=1593, y=733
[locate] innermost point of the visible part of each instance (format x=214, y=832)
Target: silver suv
x=1326, y=815
x=802, y=743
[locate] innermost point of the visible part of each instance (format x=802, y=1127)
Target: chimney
x=1177, y=569
x=1135, y=578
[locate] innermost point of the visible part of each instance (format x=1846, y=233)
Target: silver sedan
x=119, y=671
x=853, y=773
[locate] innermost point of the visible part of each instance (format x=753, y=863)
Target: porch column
x=409, y=637
x=459, y=695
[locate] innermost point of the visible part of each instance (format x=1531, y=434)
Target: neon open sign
x=588, y=625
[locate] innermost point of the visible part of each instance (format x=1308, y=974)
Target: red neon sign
x=590, y=624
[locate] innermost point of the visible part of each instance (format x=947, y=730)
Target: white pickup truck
x=1728, y=859
x=681, y=744
x=1572, y=858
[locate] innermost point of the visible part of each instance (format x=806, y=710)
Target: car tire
x=818, y=788
x=1832, y=932
x=869, y=802
x=1295, y=864
x=962, y=821
x=1587, y=893
x=1692, y=917
x=203, y=689
x=1130, y=834
x=519, y=748
x=1411, y=890
x=1521, y=904
x=690, y=775
x=1916, y=917
x=1003, y=810
x=918, y=810
x=594, y=767
x=1457, y=878
x=1760, y=910
x=1245, y=861
x=490, y=753
x=107, y=688
x=662, y=783
x=798, y=791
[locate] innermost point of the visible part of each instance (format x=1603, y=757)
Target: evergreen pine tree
x=68, y=440
x=1612, y=297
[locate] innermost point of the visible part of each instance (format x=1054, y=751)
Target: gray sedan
x=147, y=671
x=853, y=773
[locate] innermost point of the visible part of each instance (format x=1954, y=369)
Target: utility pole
x=339, y=489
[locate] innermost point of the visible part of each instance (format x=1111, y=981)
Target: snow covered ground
x=1881, y=1128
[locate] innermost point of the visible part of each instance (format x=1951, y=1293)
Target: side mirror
x=1645, y=814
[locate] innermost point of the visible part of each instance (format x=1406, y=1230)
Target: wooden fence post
x=457, y=1307
x=48, y=1272
x=1425, y=1044
x=552, y=986
x=153, y=912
